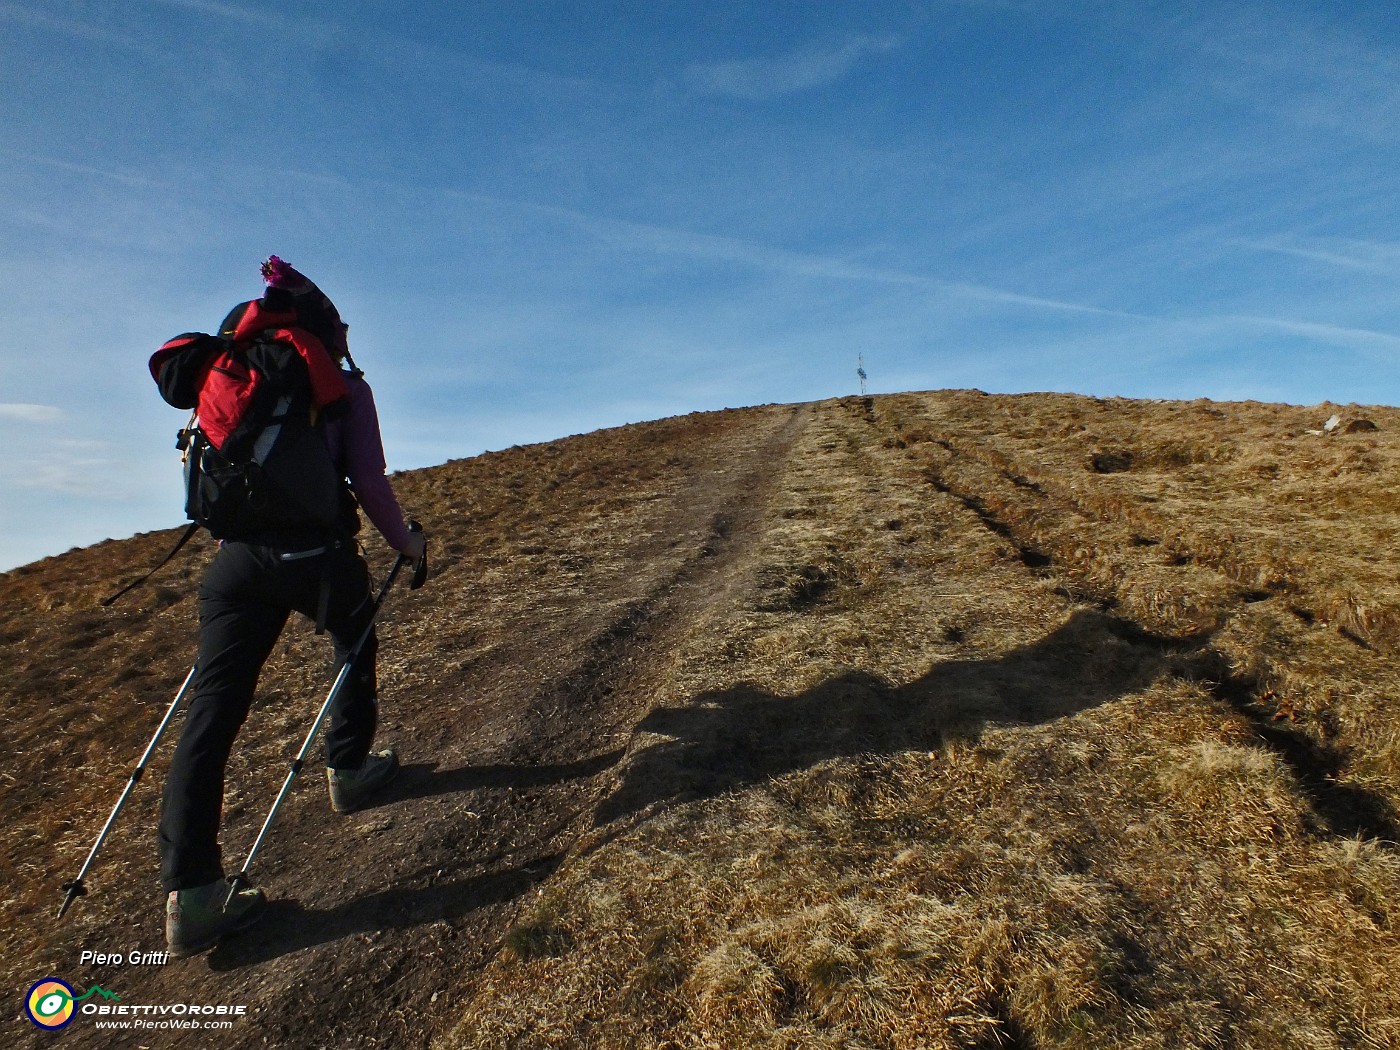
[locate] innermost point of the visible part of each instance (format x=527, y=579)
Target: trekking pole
x=420, y=574
x=76, y=888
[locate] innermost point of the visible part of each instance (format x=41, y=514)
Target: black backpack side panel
x=274, y=472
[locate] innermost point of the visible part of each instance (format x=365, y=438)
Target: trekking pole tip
x=235, y=883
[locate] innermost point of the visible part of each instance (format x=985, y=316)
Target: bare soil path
x=376, y=918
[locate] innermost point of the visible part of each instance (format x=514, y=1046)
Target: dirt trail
x=933, y=664
x=376, y=918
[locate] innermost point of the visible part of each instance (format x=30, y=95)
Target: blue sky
x=545, y=218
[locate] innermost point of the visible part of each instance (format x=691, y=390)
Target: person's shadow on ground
x=740, y=736
x=735, y=737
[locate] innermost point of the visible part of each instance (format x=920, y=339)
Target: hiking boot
x=196, y=919
x=352, y=788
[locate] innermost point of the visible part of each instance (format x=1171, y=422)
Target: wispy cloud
x=401, y=55
x=1020, y=7
x=1320, y=74
x=1366, y=256
x=776, y=76
x=1362, y=339
x=666, y=240
x=230, y=11
x=287, y=21
x=108, y=174
x=28, y=16
x=67, y=466
x=24, y=413
x=639, y=238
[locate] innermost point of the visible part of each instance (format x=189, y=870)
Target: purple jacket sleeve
x=358, y=447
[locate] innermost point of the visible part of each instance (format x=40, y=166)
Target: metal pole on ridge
x=76, y=888
x=420, y=574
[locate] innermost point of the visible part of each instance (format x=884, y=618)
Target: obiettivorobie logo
x=52, y=1003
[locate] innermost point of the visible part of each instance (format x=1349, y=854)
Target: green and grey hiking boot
x=196, y=919
x=352, y=788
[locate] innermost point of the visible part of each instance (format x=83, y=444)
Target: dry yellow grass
x=1029, y=722
x=936, y=720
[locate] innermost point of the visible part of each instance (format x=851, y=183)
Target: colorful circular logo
x=50, y=1003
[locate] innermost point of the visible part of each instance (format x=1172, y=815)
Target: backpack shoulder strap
x=184, y=539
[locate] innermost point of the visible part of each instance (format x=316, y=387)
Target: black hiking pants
x=245, y=599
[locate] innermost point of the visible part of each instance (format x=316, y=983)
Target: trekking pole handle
x=420, y=567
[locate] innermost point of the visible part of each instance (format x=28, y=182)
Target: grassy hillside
x=1033, y=721
x=928, y=720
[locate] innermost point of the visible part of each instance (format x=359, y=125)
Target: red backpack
x=256, y=459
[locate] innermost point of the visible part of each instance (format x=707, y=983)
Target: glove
x=415, y=548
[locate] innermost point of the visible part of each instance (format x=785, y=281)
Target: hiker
x=258, y=577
